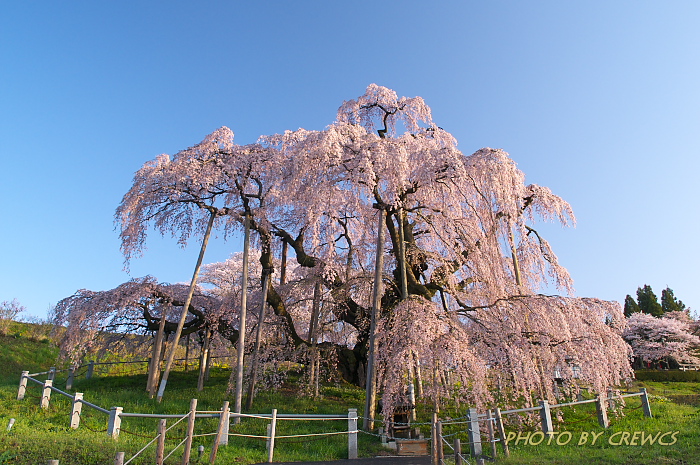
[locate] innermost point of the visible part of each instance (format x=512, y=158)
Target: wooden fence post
x=602, y=412
x=474, y=433
x=223, y=440
x=71, y=377
x=77, y=410
x=22, y=385
x=53, y=462
x=546, y=416
x=440, y=449
x=433, y=440
x=458, y=451
x=52, y=373
x=114, y=424
x=190, y=432
x=119, y=458
x=46, y=394
x=268, y=433
x=160, y=445
x=90, y=370
x=490, y=429
x=501, y=432
x=352, y=433
x=223, y=420
x=646, y=407
x=272, y=436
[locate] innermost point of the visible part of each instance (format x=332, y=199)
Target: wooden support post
x=546, y=416
x=646, y=407
x=187, y=350
x=114, y=424
x=160, y=445
x=602, y=412
x=273, y=427
x=22, y=385
x=433, y=440
x=226, y=410
x=490, y=429
x=119, y=458
x=501, y=431
x=611, y=399
x=10, y=424
x=223, y=423
x=440, y=449
x=242, y=320
x=71, y=377
x=203, y=359
x=352, y=433
x=268, y=433
x=190, y=432
x=474, y=433
x=77, y=410
x=52, y=462
x=156, y=357
x=458, y=451
x=90, y=370
x=52, y=373
x=46, y=393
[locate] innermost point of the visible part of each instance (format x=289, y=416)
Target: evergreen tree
x=648, y=302
x=630, y=306
x=669, y=303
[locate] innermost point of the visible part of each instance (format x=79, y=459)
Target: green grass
x=39, y=435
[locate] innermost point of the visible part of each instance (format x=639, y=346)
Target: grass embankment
x=39, y=435
x=670, y=437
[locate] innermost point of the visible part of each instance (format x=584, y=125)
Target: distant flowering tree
x=131, y=308
x=660, y=339
x=9, y=310
x=463, y=260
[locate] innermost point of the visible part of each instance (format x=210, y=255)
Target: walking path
x=382, y=460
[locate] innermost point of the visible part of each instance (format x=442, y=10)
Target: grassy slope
x=40, y=435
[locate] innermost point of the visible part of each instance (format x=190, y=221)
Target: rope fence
x=494, y=430
x=115, y=415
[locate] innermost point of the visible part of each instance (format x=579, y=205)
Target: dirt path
x=383, y=460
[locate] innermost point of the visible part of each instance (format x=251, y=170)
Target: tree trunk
x=370, y=384
x=204, y=359
x=156, y=357
x=313, y=329
x=283, y=266
x=402, y=256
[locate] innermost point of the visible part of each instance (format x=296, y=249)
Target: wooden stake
x=258, y=337
x=190, y=432
x=160, y=445
x=203, y=359
x=156, y=357
x=185, y=308
x=241, y=329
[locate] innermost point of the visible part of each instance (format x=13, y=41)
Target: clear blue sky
x=597, y=100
